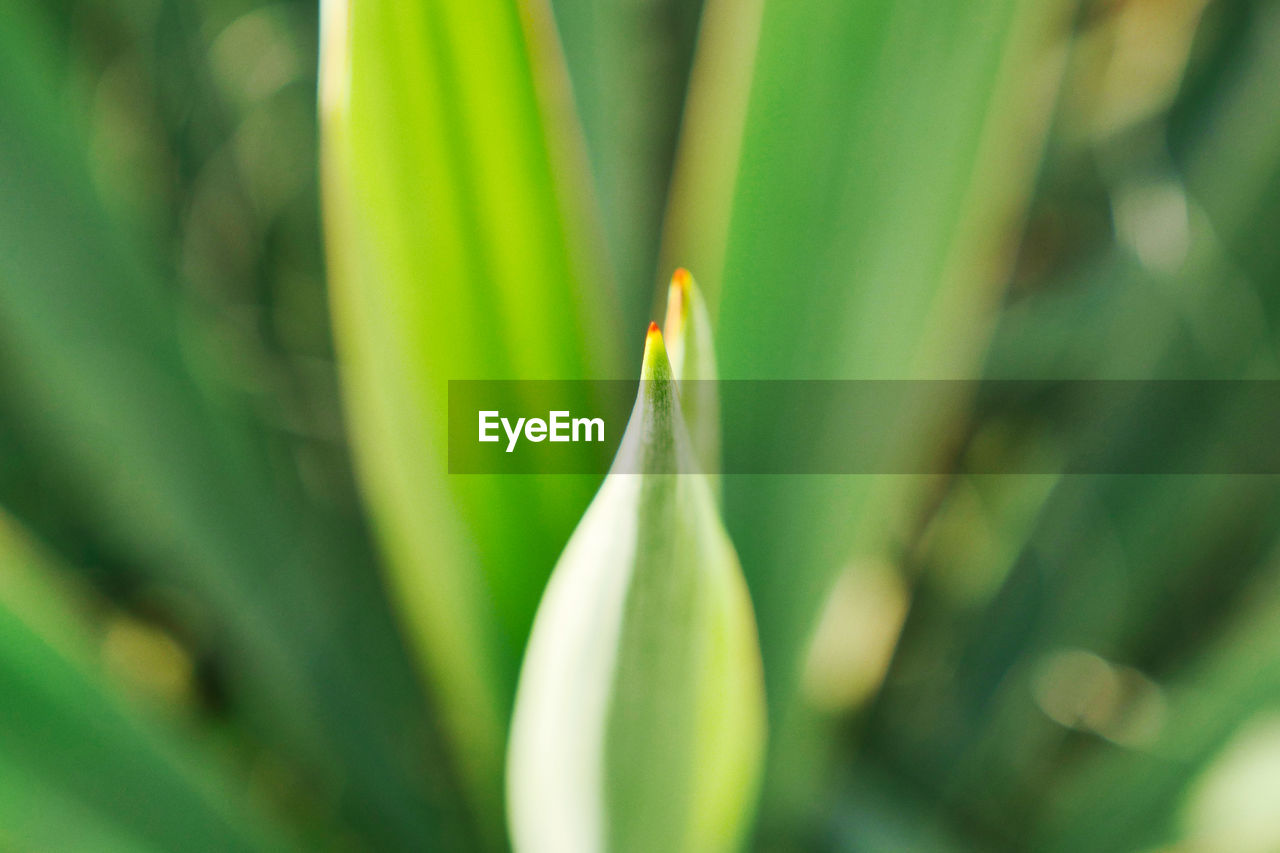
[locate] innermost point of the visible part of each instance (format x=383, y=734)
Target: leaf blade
x=454, y=253
x=657, y=697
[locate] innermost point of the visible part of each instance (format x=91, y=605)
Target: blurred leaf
x=79, y=769
x=886, y=186
x=639, y=723
x=866, y=237
x=699, y=206
x=629, y=66
x=454, y=254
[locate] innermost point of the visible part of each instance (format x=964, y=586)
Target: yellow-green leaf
x=454, y=253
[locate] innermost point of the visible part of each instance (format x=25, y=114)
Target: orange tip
x=654, y=364
x=680, y=278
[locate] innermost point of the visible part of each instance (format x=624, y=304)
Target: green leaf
x=629, y=67
x=79, y=768
x=847, y=205
x=639, y=722
x=455, y=252
x=852, y=218
x=687, y=332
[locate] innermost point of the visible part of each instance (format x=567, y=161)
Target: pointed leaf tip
x=656, y=364
x=688, y=339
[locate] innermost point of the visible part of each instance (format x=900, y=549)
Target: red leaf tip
x=653, y=350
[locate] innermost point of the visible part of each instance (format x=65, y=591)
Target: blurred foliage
x=228, y=614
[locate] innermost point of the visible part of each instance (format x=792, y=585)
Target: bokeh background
x=224, y=626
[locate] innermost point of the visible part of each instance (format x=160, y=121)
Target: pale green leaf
x=687, y=333
x=639, y=721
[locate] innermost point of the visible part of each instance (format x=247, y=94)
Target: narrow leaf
x=454, y=252
x=687, y=332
